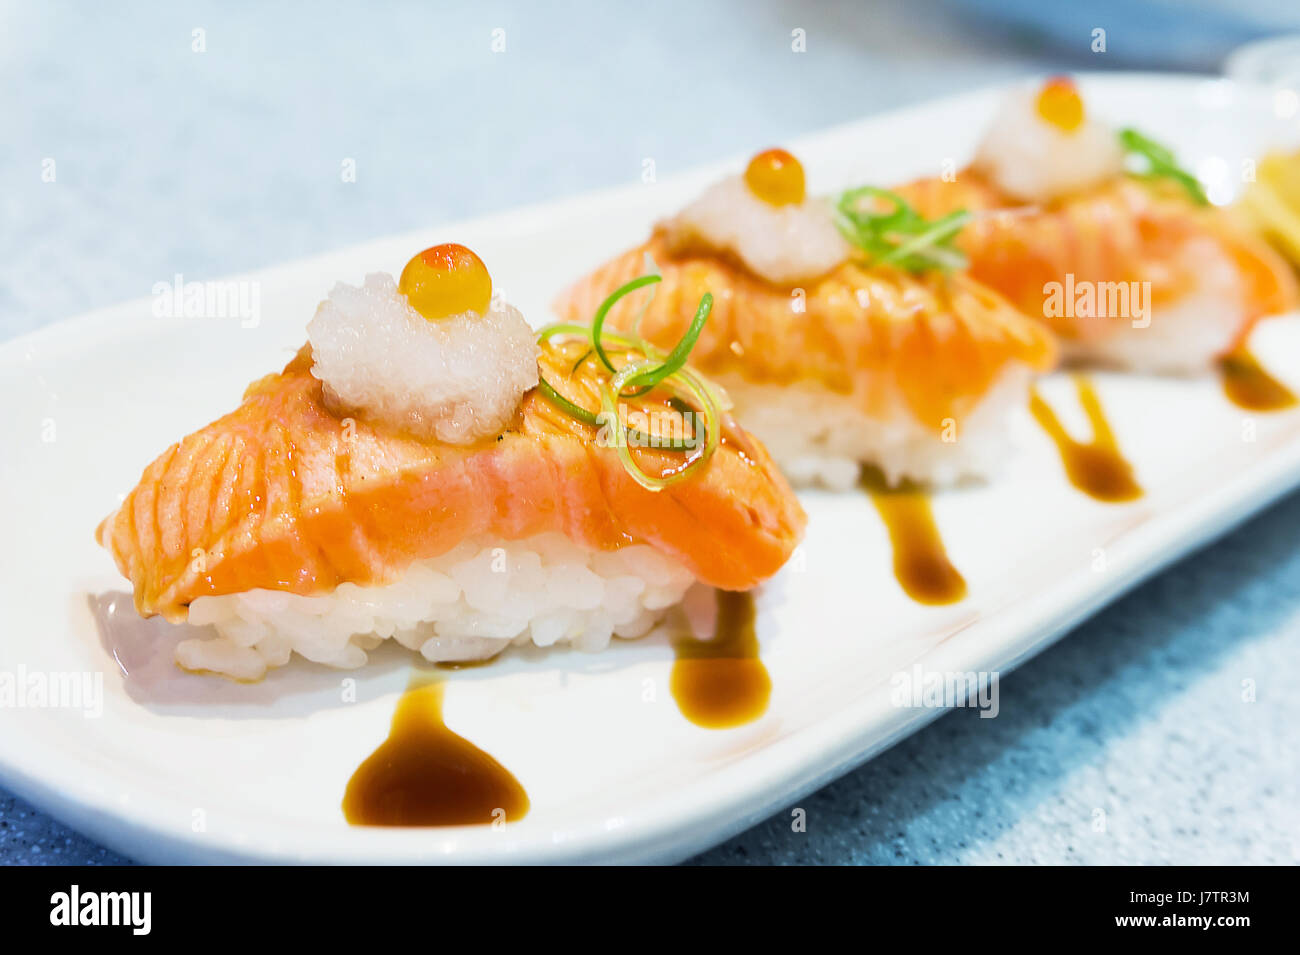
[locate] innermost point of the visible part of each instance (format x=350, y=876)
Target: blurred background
x=208, y=138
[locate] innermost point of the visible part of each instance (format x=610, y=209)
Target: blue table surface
x=207, y=163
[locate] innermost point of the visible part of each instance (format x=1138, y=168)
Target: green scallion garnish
x=1158, y=162
x=598, y=322
x=898, y=234
x=565, y=405
x=689, y=394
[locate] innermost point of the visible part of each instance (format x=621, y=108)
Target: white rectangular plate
x=187, y=768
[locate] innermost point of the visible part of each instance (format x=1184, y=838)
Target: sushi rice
x=467, y=604
x=819, y=437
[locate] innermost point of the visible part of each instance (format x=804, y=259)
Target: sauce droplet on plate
x=721, y=683
x=426, y=775
x=921, y=562
x=1248, y=385
x=1097, y=468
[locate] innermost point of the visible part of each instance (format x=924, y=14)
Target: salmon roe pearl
x=1058, y=103
x=776, y=177
x=446, y=280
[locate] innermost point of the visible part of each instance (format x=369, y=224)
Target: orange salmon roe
x=446, y=280
x=776, y=177
x=1058, y=103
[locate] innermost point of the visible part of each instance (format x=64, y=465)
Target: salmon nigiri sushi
x=843, y=333
x=1136, y=271
x=428, y=468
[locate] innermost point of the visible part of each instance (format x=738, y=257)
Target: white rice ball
x=458, y=379
x=468, y=604
x=783, y=244
x=822, y=437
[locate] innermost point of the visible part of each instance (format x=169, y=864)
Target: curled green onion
x=899, y=235
x=598, y=322
x=676, y=359
x=609, y=392
x=1159, y=162
x=594, y=420
x=689, y=394
x=932, y=241
x=565, y=405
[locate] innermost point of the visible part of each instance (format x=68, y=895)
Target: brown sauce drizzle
x=466, y=664
x=426, y=775
x=721, y=682
x=921, y=562
x=1097, y=468
x=1248, y=385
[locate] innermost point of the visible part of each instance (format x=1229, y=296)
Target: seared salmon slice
x=283, y=494
x=1125, y=232
x=931, y=344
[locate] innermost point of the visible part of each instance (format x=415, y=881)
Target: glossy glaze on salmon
x=930, y=345
x=1125, y=231
x=283, y=494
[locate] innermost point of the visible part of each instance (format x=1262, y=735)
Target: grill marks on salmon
x=285, y=495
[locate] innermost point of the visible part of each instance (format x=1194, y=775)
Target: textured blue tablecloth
x=207, y=163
